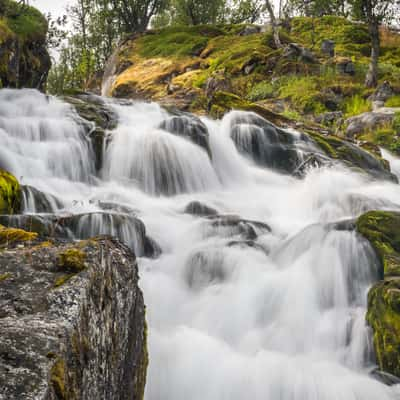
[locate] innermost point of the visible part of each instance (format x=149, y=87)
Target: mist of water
x=236, y=309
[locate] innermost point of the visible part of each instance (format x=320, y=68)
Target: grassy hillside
x=175, y=64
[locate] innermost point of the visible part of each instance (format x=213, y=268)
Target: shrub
x=261, y=91
x=356, y=105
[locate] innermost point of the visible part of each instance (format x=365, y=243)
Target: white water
x=225, y=322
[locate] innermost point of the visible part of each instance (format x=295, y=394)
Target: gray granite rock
x=72, y=322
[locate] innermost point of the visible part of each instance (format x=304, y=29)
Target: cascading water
x=265, y=300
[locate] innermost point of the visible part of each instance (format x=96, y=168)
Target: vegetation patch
x=72, y=260
x=12, y=236
x=10, y=193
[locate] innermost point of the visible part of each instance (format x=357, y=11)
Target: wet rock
x=368, y=120
x=97, y=118
x=10, y=193
x=232, y=225
x=33, y=200
x=385, y=378
x=129, y=229
x=328, y=47
x=381, y=228
x=268, y=145
x=72, y=322
x=189, y=127
x=204, y=268
x=353, y=156
x=245, y=244
x=200, y=209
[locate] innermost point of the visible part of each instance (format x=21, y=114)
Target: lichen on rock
x=83, y=338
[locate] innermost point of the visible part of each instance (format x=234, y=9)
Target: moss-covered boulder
x=24, y=59
x=10, y=193
x=72, y=322
x=382, y=229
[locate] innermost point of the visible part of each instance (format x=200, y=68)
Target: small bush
x=262, y=91
x=356, y=105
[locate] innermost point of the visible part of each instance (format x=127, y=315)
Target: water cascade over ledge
x=254, y=291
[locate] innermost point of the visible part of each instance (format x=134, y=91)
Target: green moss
x=25, y=21
x=60, y=281
x=384, y=318
x=381, y=228
x=72, y=260
x=393, y=101
x=10, y=193
x=5, y=276
x=57, y=379
x=11, y=236
x=171, y=42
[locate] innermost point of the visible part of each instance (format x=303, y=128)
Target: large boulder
x=96, y=117
x=190, y=127
x=368, y=121
x=382, y=229
x=72, y=322
x=10, y=193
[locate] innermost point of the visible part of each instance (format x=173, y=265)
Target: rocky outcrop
x=24, y=59
x=10, y=193
x=72, y=322
x=190, y=127
x=381, y=228
x=369, y=120
x=125, y=226
x=97, y=118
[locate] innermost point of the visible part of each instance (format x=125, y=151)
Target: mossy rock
x=10, y=193
x=382, y=229
x=384, y=318
x=223, y=102
x=12, y=236
x=72, y=260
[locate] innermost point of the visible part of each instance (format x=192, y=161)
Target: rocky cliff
x=72, y=320
x=24, y=59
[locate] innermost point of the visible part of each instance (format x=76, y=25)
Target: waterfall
x=260, y=296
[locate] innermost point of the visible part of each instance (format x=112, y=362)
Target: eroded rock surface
x=72, y=322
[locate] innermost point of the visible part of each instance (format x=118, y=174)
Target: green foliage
x=25, y=21
x=261, y=91
x=304, y=93
x=10, y=193
x=356, y=105
x=393, y=101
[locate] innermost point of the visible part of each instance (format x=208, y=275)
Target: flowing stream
x=263, y=298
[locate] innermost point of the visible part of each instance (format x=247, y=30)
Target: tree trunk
x=274, y=23
x=371, y=79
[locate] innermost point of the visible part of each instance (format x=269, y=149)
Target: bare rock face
x=72, y=322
